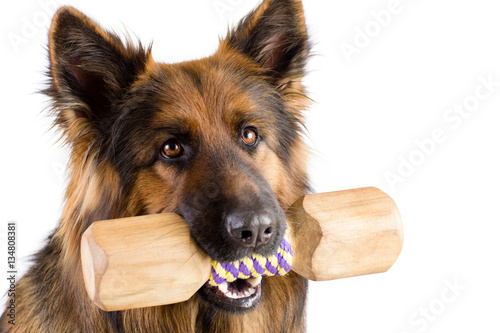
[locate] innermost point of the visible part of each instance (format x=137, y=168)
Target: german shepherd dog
x=216, y=140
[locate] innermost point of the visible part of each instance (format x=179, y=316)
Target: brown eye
x=172, y=149
x=249, y=136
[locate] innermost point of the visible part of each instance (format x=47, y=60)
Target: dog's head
x=216, y=140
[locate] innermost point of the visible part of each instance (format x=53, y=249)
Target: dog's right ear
x=90, y=70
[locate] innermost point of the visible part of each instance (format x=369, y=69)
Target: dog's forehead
x=206, y=91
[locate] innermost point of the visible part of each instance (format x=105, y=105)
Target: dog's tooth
x=254, y=282
x=251, y=291
x=224, y=287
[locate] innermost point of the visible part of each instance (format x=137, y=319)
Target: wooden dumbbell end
x=345, y=233
x=95, y=262
x=142, y=261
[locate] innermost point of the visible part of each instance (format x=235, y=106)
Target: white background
x=368, y=115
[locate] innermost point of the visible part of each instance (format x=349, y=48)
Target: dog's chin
x=234, y=297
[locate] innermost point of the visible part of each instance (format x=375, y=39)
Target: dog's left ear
x=275, y=36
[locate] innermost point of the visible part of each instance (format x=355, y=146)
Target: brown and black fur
x=115, y=107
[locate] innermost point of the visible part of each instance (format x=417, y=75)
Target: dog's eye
x=172, y=149
x=249, y=136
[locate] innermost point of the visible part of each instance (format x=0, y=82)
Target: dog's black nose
x=251, y=229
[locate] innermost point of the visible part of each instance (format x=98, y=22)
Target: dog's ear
x=275, y=36
x=90, y=69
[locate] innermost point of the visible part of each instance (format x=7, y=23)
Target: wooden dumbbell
x=153, y=260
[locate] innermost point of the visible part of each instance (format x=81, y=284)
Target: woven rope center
x=279, y=263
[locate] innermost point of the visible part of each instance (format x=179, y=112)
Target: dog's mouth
x=238, y=296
